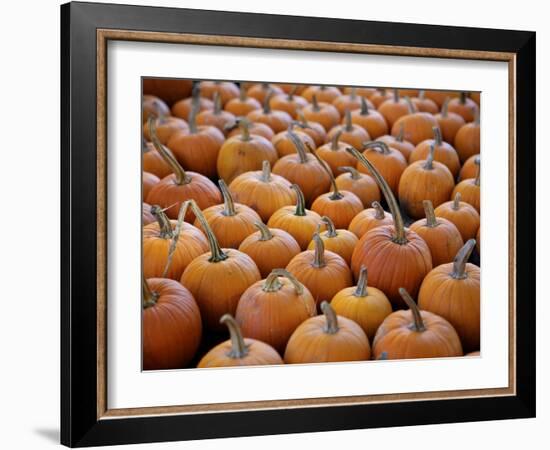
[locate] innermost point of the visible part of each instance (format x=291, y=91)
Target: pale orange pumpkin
x=314, y=130
x=394, y=108
x=467, y=139
x=443, y=152
x=449, y=122
x=217, y=117
x=225, y=90
x=256, y=128
x=417, y=126
x=351, y=133
x=260, y=91
x=424, y=104
x=370, y=119
x=323, y=113
x=276, y=120
x=362, y=185
x=334, y=153
x=380, y=96
x=341, y=241
x=470, y=189
x=326, y=94
x=398, y=142
x=468, y=170
x=149, y=181
x=166, y=127
x=283, y=143
x=289, y=102
x=243, y=104
x=464, y=106
x=368, y=219
x=152, y=106
x=183, y=107
x=462, y=214
x=349, y=101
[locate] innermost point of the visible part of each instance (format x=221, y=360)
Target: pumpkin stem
x=379, y=211
x=290, y=96
x=195, y=109
x=315, y=104
x=267, y=100
x=302, y=119
x=165, y=227
x=364, y=107
x=272, y=284
x=348, y=125
x=361, y=289
x=463, y=98
x=421, y=94
x=456, y=201
x=242, y=93
x=353, y=93
x=266, y=171
x=239, y=349
x=431, y=221
x=175, y=238
x=331, y=326
x=445, y=107
x=437, y=136
x=353, y=172
x=383, y=356
x=418, y=324
x=217, y=254
x=149, y=298
x=461, y=258
x=429, y=164
x=299, y=145
x=319, y=255
x=399, y=226
x=228, y=204
x=336, y=194
x=478, y=172
x=181, y=177
x=396, y=95
x=334, y=141
x=244, y=126
x=300, y=201
x=265, y=232
x=331, y=230
x=401, y=135
x=380, y=145
x=410, y=104
x=217, y=103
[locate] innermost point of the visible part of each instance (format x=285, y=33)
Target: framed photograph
x=277, y=224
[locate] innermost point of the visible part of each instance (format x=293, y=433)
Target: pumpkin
x=405, y=254
x=390, y=162
x=476, y=97
x=443, y=152
x=324, y=273
x=181, y=185
x=262, y=191
x=469, y=168
x=146, y=216
x=298, y=221
x=349, y=102
x=415, y=334
x=288, y=102
x=340, y=206
x=467, y=139
x=362, y=185
x=380, y=96
x=270, y=248
x=365, y=305
x=314, y=130
x=288, y=88
x=371, y=120
x=168, y=89
x=183, y=108
x=152, y=106
x=239, y=351
x=198, y=148
x=225, y=90
x=326, y=94
x=231, y=222
x=425, y=180
x=149, y=181
x=217, y=117
x=449, y=122
x=350, y=132
x=469, y=189
x=439, y=97
x=463, y=215
x=478, y=240
x=166, y=127
x=276, y=120
x=169, y=308
x=361, y=91
x=424, y=104
x=283, y=143
x=260, y=91
x=452, y=291
x=301, y=168
x=464, y=106
x=323, y=113
x=342, y=242
x=244, y=153
x=153, y=162
x=243, y=104
x=334, y=153
x=169, y=246
x=417, y=126
x=218, y=278
x=394, y=108
x=327, y=338
x=441, y=235
x=271, y=309
x=256, y=128
x=368, y=219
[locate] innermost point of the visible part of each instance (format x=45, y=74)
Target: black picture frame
x=80, y=425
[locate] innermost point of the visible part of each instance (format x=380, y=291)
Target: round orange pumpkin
x=153, y=162
x=325, y=94
x=260, y=91
x=314, y=130
x=467, y=139
x=243, y=104
x=380, y=96
x=371, y=120
x=323, y=113
x=449, y=123
x=256, y=128
x=168, y=89
x=368, y=219
x=349, y=102
x=342, y=242
x=166, y=127
x=217, y=117
x=152, y=106
x=398, y=142
x=183, y=107
x=417, y=126
x=394, y=108
x=470, y=189
x=362, y=185
x=468, y=170
x=288, y=102
x=225, y=90
x=146, y=216
x=334, y=152
x=149, y=182
x=276, y=120
x=351, y=133
x=462, y=214
x=424, y=104
x=464, y=106
x=283, y=143
x=443, y=152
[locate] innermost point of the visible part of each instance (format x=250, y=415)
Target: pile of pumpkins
x=311, y=223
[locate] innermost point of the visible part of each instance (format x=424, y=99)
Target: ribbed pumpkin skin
x=147, y=217
x=342, y=244
x=340, y=211
x=335, y=158
x=444, y=240
x=291, y=106
x=165, y=128
x=263, y=197
x=456, y=300
x=466, y=218
x=284, y=145
x=467, y=141
x=365, y=187
x=425, y=105
x=393, y=110
x=219, y=120
x=354, y=137
x=149, y=181
x=170, y=90
x=300, y=228
x=398, y=341
x=259, y=91
x=469, y=168
x=439, y=96
x=325, y=94
x=272, y=317
x=153, y=162
x=273, y=253
x=470, y=193
x=225, y=89
x=276, y=120
x=217, y=287
x=349, y=102
x=366, y=220
x=374, y=123
x=256, y=128
x=405, y=147
x=191, y=243
x=152, y=106
x=444, y=153
x=310, y=344
x=172, y=327
x=466, y=110
x=317, y=132
x=392, y=266
x=328, y=115
x=259, y=354
x=240, y=108
x=238, y=156
x=390, y=165
x=449, y=125
x=324, y=282
x=182, y=108
x=417, y=127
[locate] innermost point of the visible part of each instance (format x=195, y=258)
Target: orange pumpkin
x=327, y=338
x=463, y=215
x=405, y=254
x=439, y=97
x=271, y=309
x=243, y=104
x=398, y=142
x=467, y=139
x=323, y=113
x=283, y=143
x=166, y=127
x=342, y=242
x=365, y=305
x=302, y=168
x=380, y=96
x=288, y=102
x=149, y=181
x=260, y=91
x=441, y=235
x=470, y=189
x=449, y=122
x=415, y=334
x=152, y=106
x=256, y=128
x=469, y=168
x=270, y=248
x=218, y=278
x=362, y=185
x=366, y=92
x=452, y=291
x=288, y=88
x=169, y=308
x=324, y=273
x=314, y=130
x=368, y=219
x=146, y=216
x=244, y=153
x=349, y=102
x=443, y=152
x=153, y=162
x=394, y=108
x=298, y=221
x=464, y=106
x=334, y=153
x=183, y=108
x=351, y=133
x=225, y=90
x=424, y=104
x=417, y=126
x=276, y=120
x=478, y=240
x=325, y=94
x=425, y=180
x=217, y=117
x=371, y=120
x=239, y=351
x=390, y=162
x=168, y=89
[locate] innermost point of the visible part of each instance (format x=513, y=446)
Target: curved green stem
x=300, y=201
x=418, y=323
x=216, y=253
x=361, y=289
x=331, y=327
x=336, y=194
x=272, y=284
x=265, y=232
x=431, y=220
x=354, y=173
x=331, y=230
x=228, y=204
x=192, y=122
x=244, y=126
x=319, y=254
x=239, y=349
x=462, y=98
x=461, y=258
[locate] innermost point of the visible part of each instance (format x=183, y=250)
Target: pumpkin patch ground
x=302, y=224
